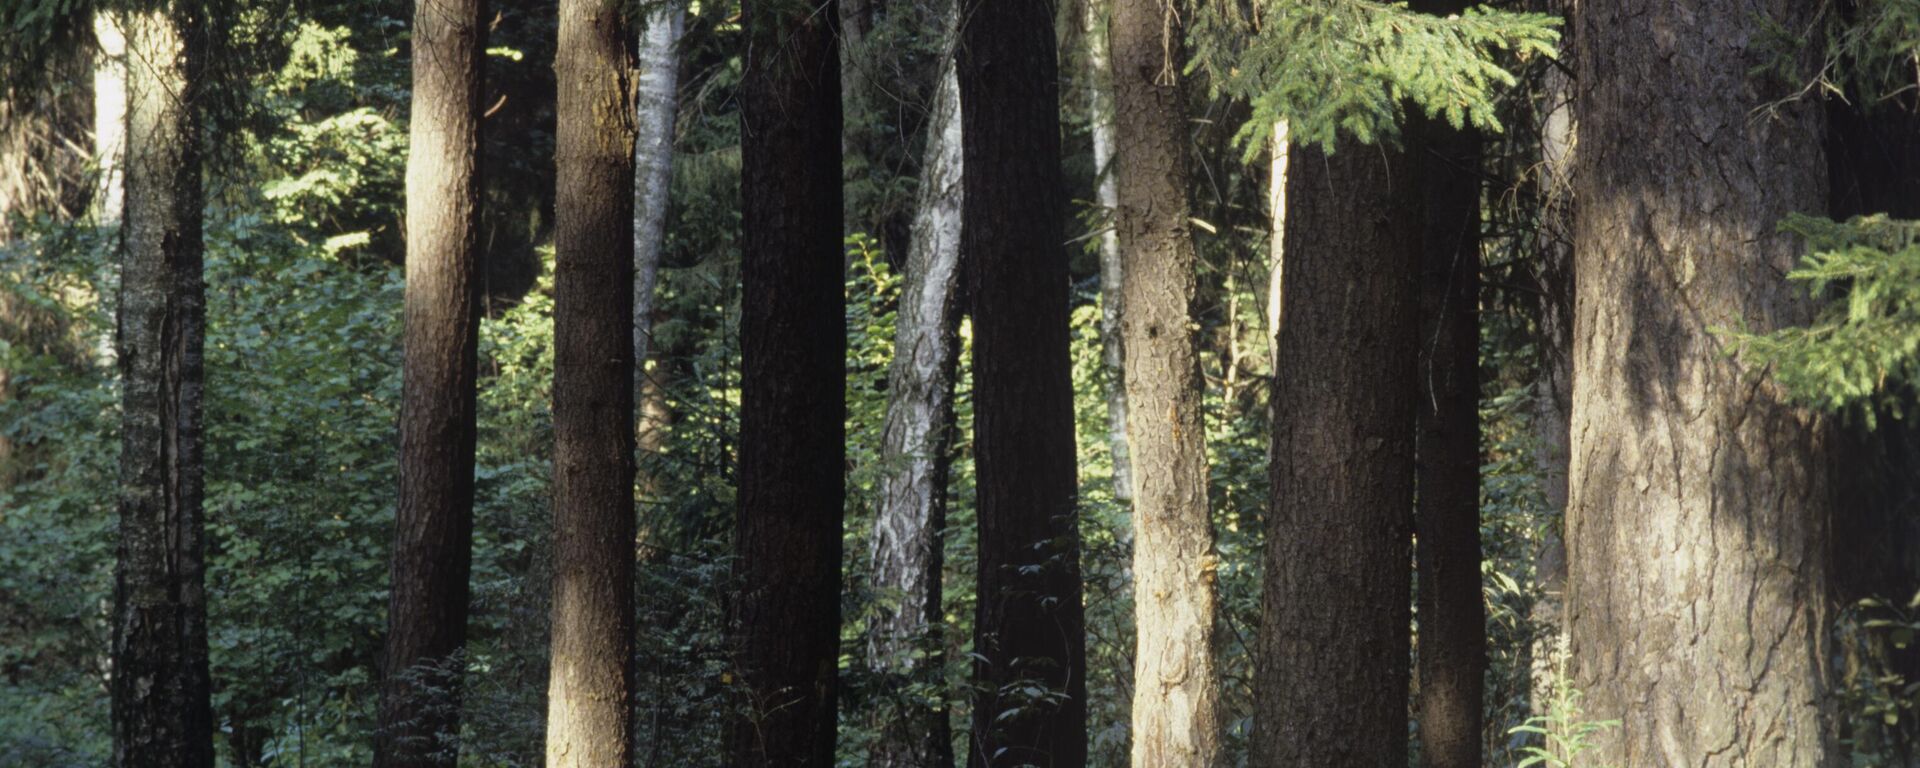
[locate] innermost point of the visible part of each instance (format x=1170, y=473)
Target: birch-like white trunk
x=1112, y=274
x=656, y=104
x=905, y=548
x=109, y=119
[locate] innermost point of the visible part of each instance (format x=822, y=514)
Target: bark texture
x=433, y=531
x=1697, y=525
x=590, y=684
x=1175, y=696
x=162, y=714
x=656, y=105
x=793, y=399
x=1331, y=679
x=1100, y=119
x=1029, y=623
x=917, y=439
x=1452, y=617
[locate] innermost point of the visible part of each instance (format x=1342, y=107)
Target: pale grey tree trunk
x=656, y=106
x=109, y=118
x=1553, y=396
x=917, y=435
x=161, y=692
x=1112, y=271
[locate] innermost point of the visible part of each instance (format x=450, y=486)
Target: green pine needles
x=1329, y=66
x=1865, y=341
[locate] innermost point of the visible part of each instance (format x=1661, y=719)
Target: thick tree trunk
x=918, y=437
x=1453, y=631
x=1332, y=672
x=1697, y=525
x=793, y=398
x=590, y=687
x=162, y=715
x=1175, y=697
x=433, y=531
x=1029, y=623
x=1100, y=77
x=656, y=104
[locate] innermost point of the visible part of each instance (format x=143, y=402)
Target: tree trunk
x=1697, y=527
x=590, y=688
x=918, y=437
x=656, y=104
x=1029, y=622
x=109, y=119
x=1553, y=389
x=1332, y=672
x=162, y=713
x=1453, y=620
x=1100, y=77
x=433, y=532
x=1175, y=697
x=793, y=399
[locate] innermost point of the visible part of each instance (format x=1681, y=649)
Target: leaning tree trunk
x=590, y=685
x=1029, y=623
x=656, y=104
x=1176, y=701
x=1697, y=527
x=793, y=391
x=161, y=690
x=904, y=645
x=1453, y=620
x=1332, y=676
x=433, y=530
x=1100, y=77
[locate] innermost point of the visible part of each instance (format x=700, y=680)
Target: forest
x=908, y=383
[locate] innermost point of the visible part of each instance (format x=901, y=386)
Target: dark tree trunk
x=433, y=531
x=1453, y=632
x=590, y=688
x=1697, y=527
x=1332, y=670
x=162, y=714
x=1176, y=696
x=793, y=399
x=1029, y=624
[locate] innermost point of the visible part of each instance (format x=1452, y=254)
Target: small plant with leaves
x=1563, y=731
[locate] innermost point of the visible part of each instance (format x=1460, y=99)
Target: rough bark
x=1029, y=622
x=917, y=439
x=1332, y=674
x=433, y=530
x=1453, y=632
x=787, y=543
x=162, y=715
x=1100, y=118
x=590, y=687
x=1697, y=524
x=1175, y=697
x=656, y=105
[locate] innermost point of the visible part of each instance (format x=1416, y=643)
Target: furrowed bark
x=1698, y=519
x=917, y=439
x=433, y=527
x=793, y=397
x=1332, y=674
x=1029, y=622
x=590, y=687
x=161, y=689
x=656, y=105
x=1175, y=697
